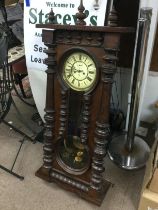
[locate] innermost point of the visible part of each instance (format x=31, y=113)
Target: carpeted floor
x=35, y=194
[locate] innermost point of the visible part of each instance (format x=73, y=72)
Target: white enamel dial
x=79, y=71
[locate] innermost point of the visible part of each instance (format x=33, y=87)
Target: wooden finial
x=51, y=17
x=81, y=15
x=112, y=18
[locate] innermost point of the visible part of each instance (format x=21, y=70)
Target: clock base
x=43, y=174
x=75, y=185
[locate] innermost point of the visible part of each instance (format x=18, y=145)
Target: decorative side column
x=102, y=131
x=50, y=112
x=85, y=119
x=102, y=128
x=63, y=112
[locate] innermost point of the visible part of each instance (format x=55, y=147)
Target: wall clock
x=81, y=64
x=79, y=71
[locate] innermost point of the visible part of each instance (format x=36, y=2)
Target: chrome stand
x=130, y=151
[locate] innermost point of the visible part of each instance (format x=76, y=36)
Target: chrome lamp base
x=135, y=159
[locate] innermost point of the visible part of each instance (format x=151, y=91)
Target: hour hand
x=81, y=71
x=74, y=70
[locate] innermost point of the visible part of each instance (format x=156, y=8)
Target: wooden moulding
x=102, y=43
x=75, y=185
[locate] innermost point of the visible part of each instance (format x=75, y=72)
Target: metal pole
x=130, y=151
x=140, y=56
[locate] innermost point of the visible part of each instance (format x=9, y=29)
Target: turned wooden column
x=102, y=130
x=50, y=112
x=63, y=112
x=85, y=119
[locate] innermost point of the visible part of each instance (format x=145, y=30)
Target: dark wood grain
x=102, y=45
x=50, y=109
x=87, y=28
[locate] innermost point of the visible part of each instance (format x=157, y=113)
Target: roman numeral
x=90, y=65
x=69, y=63
x=68, y=76
x=69, y=66
x=89, y=79
x=74, y=58
x=80, y=56
x=91, y=72
x=85, y=59
x=73, y=81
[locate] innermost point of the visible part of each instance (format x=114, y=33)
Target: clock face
x=79, y=71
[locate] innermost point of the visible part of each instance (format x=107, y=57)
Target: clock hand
x=81, y=71
x=74, y=70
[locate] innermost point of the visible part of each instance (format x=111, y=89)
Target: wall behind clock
x=149, y=93
x=128, y=17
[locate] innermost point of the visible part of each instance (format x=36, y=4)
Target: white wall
x=149, y=112
x=38, y=79
x=149, y=92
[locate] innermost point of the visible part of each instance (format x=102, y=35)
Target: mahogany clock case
x=102, y=45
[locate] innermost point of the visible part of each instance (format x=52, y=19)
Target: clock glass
x=73, y=155
x=79, y=71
